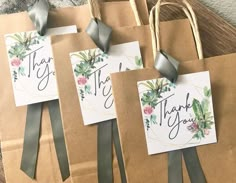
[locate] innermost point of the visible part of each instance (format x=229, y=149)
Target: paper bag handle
x=95, y=11
x=155, y=25
x=100, y=32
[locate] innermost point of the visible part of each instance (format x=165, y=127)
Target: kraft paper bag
x=218, y=160
x=12, y=118
x=82, y=140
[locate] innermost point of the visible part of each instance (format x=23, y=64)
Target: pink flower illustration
x=206, y=132
x=193, y=127
x=82, y=81
x=15, y=62
x=148, y=110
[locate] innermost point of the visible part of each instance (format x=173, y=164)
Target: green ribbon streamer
x=107, y=133
x=58, y=136
x=175, y=167
x=104, y=146
x=31, y=139
x=100, y=33
x=38, y=13
x=32, y=135
x=167, y=66
x=116, y=140
x=193, y=165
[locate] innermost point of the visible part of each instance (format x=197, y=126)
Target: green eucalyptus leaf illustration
x=138, y=61
x=147, y=122
x=21, y=71
x=87, y=89
x=201, y=133
x=196, y=136
x=15, y=76
x=205, y=105
x=82, y=94
x=153, y=119
x=204, y=118
x=207, y=92
x=151, y=85
x=197, y=109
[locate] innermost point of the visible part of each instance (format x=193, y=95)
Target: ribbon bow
x=39, y=15
x=167, y=66
x=100, y=33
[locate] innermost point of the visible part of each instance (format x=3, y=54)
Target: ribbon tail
x=105, y=168
x=116, y=139
x=175, y=167
x=31, y=139
x=58, y=136
x=38, y=13
x=193, y=165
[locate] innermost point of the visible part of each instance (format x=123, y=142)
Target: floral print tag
x=31, y=65
x=177, y=116
x=92, y=69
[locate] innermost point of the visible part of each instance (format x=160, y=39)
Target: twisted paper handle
x=155, y=25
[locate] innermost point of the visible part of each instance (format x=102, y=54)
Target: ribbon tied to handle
x=167, y=66
x=100, y=33
x=38, y=13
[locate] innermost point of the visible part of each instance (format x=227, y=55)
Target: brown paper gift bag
x=12, y=119
x=218, y=160
x=82, y=140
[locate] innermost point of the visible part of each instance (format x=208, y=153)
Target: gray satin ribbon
x=107, y=133
x=38, y=13
x=175, y=167
x=32, y=136
x=116, y=140
x=193, y=165
x=31, y=139
x=167, y=66
x=104, y=146
x=58, y=136
x=100, y=33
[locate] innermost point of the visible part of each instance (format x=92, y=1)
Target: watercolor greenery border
x=204, y=118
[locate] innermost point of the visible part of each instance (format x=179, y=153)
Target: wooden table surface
x=218, y=37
